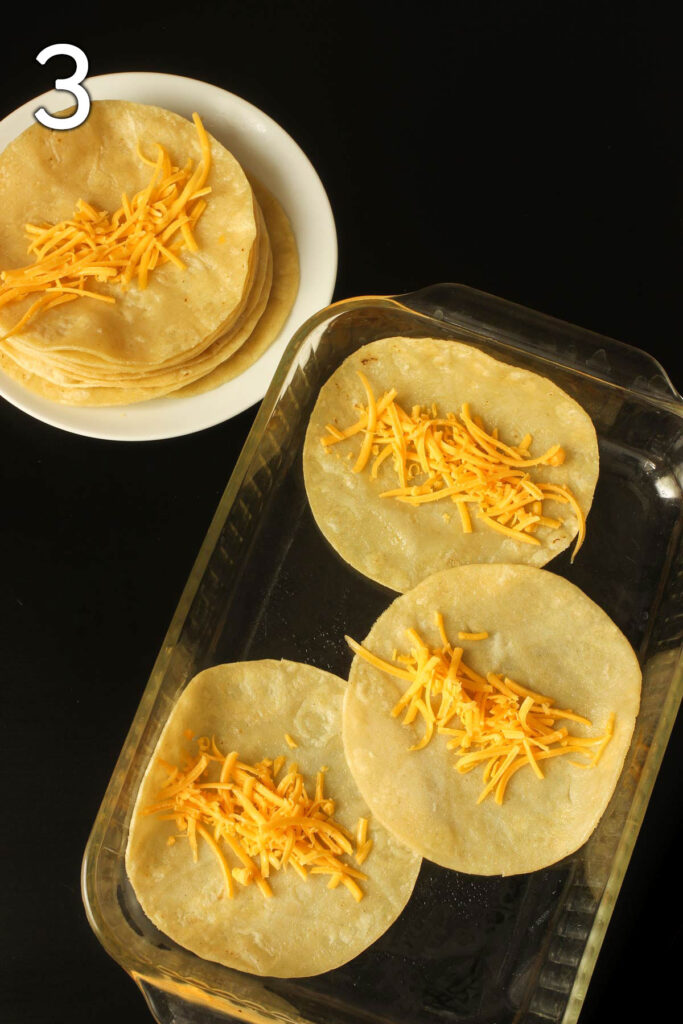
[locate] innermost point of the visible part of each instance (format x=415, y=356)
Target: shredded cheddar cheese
x=492, y=722
x=146, y=231
x=264, y=822
x=442, y=457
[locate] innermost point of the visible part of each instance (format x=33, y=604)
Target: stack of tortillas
x=205, y=311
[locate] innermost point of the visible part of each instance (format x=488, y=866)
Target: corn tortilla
x=305, y=928
x=226, y=358
x=397, y=544
x=280, y=301
x=59, y=368
x=63, y=363
x=54, y=383
x=43, y=173
x=547, y=635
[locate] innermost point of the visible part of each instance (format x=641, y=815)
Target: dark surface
x=528, y=153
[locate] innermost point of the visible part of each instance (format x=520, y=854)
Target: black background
x=532, y=150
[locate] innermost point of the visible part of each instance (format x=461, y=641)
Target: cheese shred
x=94, y=246
x=493, y=722
x=242, y=813
x=445, y=457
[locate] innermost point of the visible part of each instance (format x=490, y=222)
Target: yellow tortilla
x=545, y=634
x=398, y=544
x=86, y=361
x=43, y=173
x=283, y=292
x=57, y=384
x=58, y=368
x=226, y=358
x=305, y=928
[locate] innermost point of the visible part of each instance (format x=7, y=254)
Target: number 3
x=72, y=85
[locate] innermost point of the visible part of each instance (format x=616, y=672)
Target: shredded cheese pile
x=460, y=460
x=266, y=824
x=492, y=721
x=145, y=232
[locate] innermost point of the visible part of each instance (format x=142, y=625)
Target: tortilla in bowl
x=263, y=710
x=482, y=427
x=507, y=783
x=200, y=295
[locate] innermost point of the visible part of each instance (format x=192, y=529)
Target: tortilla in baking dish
x=546, y=635
x=186, y=323
x=397, y=543
x=261, y=709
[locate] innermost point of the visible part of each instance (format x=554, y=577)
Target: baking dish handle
x=530, y=331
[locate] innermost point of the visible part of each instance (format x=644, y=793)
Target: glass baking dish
x=466, y=949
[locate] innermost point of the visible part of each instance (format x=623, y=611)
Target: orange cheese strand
x=494, y=723
x=244, y=813
x=443, y=457
x=144, y=233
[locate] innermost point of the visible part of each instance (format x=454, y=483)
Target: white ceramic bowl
x=266, y=150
